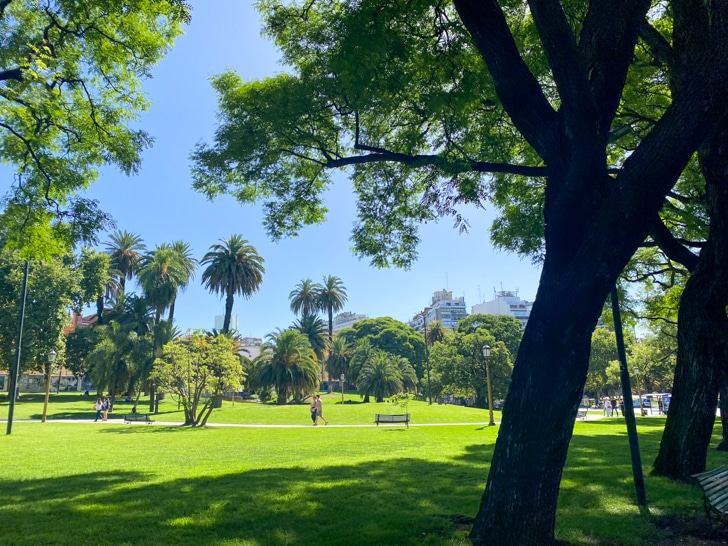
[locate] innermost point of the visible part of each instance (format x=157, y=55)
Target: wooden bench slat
x=715, y=491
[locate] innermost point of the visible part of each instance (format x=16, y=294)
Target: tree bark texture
x=702, y=331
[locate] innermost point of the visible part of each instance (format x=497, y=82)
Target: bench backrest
x=393, y=418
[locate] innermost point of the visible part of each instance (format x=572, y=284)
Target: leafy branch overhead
x=398, y=96
x=70, y=93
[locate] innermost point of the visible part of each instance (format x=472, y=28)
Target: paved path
x=239, y=425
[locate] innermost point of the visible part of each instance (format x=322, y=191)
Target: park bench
x=392, y=418
x=581, y=413
x=131, y=417
x=715, y=492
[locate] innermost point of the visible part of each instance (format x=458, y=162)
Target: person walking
x=320, y=409
x=314, y=411
x=99, y=407
x=106, y=404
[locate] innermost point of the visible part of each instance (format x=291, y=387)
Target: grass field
x=106, y=483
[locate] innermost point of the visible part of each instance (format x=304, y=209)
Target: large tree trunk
x=689, y=425
x=702, y=332
x=519, y=504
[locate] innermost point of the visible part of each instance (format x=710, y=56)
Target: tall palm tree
x=188, y=264
x=111, y=291
x=331, y=297
x=126, y=250
x=287, y=363
x=303, y=298
x=233, y=267
x=314, y=329
x=380, y=377
x=160, y=276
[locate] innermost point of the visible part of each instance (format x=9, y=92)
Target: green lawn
x=353, y=411
x=79, y=483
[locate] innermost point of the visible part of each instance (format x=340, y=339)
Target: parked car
x=498, y=404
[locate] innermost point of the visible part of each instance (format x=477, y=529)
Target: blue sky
x=160, y=205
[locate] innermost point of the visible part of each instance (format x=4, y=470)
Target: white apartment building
x=445, y=308
x=506, y=303
x=234, y=322
x=345, y=320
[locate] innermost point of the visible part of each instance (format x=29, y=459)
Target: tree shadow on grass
x=405, y=501
x=392, y=500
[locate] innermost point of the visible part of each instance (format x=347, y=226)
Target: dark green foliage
x=391, y=336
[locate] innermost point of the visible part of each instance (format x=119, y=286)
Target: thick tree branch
x=419, y=160
x=606, y=50
x=671, y=247
x=517, y=88
x=12, y=74
x=560, y=47
x=658, y=45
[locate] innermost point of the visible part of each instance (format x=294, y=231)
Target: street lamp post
x=342, y=377
x=486, y=357
x=51, y=359
x=636, y=372
x=427, y=355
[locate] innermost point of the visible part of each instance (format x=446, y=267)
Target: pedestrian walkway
x=112, y=421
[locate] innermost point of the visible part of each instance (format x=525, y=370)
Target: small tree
x=198, y=368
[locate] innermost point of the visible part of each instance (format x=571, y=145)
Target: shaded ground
x=693, y=532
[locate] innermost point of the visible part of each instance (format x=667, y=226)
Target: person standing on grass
x=320, y=409
x=105, y=406
x=314, y=411
x=99, y=407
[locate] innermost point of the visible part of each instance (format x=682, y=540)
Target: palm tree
x=339, y=357
x=362, y=354
x=314, y=328
x=331, y=297
x=111, y=291
x=188, y=264
x=160, y=276
x=233, y=267
x=303, y=298
x=436, y=331
x=409, y=374
x=126, y=251
x=380, y=377
x=288, y=363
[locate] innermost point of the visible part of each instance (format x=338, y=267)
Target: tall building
x=445, y=308
x=234, y=322
x=506, y=303
x=345, y=320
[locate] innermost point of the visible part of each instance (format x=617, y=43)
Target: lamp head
x=52, y=356
x=486, y=350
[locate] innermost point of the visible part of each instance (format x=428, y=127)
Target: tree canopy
x=391, y=336
x=71, y=72
x=198, y=368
